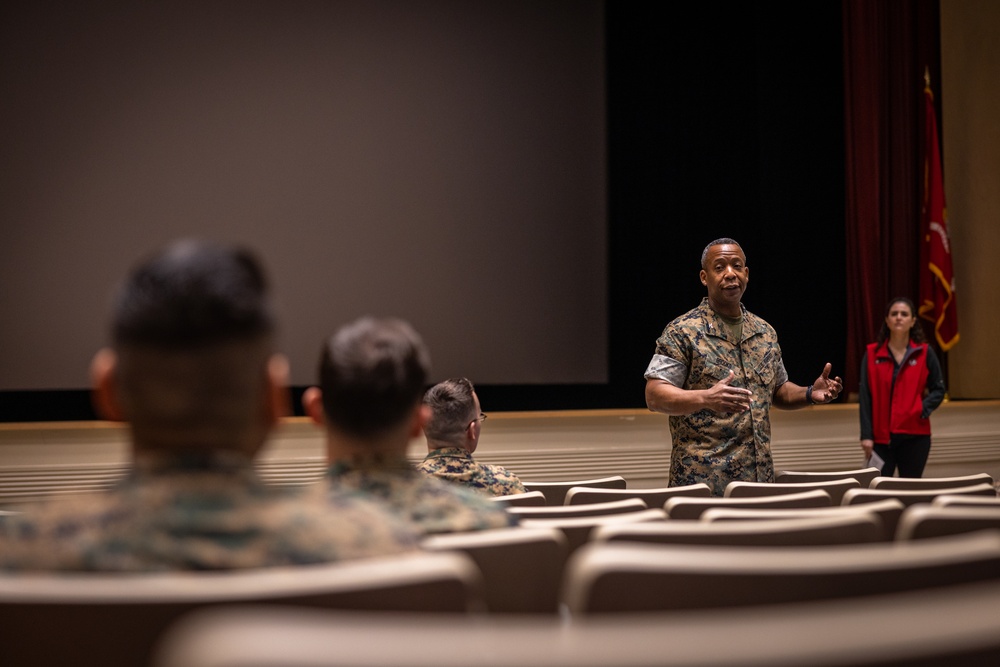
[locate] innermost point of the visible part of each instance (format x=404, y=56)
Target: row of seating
x=117, y=619
x=955, y=625
x=609, y=506
x=836, y=483
x=729, y=554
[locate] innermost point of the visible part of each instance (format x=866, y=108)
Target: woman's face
x=900, y=317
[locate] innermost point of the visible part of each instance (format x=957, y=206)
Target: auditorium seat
x=113, y=619
x=692, y=508
x=521, y=567
x=863, y=475
x=859, y=528
x=835, y=487
x=529, y=499
x=951, y=500
x=925, y=521
x=907, y=497
x=924, y=483
x=568, y=511
x=578, y=529
x=555, y=492
x=887, y=512
x=582, y=495
x=954, y=625
x=632, y=577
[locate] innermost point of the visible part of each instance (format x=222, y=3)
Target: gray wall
x=440, y=161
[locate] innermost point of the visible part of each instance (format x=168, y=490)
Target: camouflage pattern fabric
x=203, y=514
x=454, y=464
x=429, y=504
x=696, y=351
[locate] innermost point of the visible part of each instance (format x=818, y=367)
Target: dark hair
x=916, y=333
x=723, y=241
x=192, y=330
x=190, y=295
x=372, y=373
x=451, y=407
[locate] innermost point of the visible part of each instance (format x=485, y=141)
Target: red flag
x=937, y=282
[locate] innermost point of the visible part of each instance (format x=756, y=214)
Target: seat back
x=692, y=508
x=956, y=625
x=924, y=483
x=952, y=500
x=529, y=499
x=887, y=513
x=114, y=619
x=863, y=475
x=908, y=497
x=555, y=492
x=578, y=529
x=835, y=487
x=521, y=567
x=924, y=521
x=567, y=511
x=802, y=531
x=581, y=495
x=621, y=577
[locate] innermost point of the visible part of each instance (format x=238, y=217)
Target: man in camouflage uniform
x=372, y=375
x=452, y=432
x=193, y=371
x=716, y=371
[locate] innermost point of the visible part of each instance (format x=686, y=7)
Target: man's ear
x=704, y=277
x=421, y=416
x=312, y=404
x=279, y=402
x=104, y=379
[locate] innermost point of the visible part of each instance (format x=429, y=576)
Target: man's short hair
x=723, y=241
x=372, y=373
x=192, y=329
x=451, y=407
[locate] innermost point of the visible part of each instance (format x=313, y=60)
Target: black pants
x=905, y=451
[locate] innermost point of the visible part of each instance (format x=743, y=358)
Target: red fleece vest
x=898, y=412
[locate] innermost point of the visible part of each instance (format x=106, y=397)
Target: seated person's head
x=192, y=366
x=372, y=374
x=454, y=415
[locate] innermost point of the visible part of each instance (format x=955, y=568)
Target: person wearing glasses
x=372, y=375
x=452, y=429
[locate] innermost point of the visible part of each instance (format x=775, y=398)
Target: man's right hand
x=867, y=446
x=725, y=398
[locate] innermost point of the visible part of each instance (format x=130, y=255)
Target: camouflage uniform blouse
x=196, y=514
x=429, y=504
x=695, y=351
x=457, y=465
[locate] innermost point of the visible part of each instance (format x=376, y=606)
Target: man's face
x=726, y=275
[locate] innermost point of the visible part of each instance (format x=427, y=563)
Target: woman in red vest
x=901, y=385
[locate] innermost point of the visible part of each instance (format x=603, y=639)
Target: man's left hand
x=825, y=388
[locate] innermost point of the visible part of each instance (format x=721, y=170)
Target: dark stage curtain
x=887, y=46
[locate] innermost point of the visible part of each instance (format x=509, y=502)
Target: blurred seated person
x=372, y=376
x=452, y=431
x=193, y=370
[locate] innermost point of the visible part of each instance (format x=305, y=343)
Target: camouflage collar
x=449, y=452
x=367, y=464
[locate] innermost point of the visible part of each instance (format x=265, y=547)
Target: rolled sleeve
x=668, y=369
x=780, y=374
